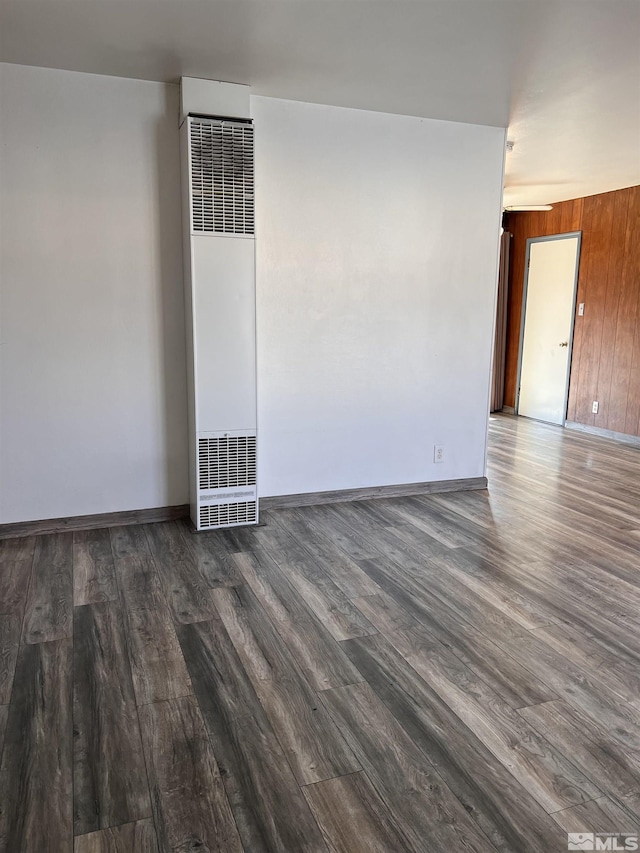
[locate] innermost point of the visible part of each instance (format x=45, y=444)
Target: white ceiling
x=564, y=75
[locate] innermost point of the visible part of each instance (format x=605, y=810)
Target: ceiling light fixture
x=522, y=207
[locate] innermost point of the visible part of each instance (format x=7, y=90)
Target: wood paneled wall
x=606, y=348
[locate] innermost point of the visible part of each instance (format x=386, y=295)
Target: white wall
x=377, y=249
x=92, y=365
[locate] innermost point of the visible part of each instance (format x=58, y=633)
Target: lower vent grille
x=223, y=515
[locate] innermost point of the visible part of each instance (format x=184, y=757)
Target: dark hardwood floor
x=442, y=673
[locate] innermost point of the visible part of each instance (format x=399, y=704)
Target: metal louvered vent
x=224, y=515
x=225, y=462
x=222, y=176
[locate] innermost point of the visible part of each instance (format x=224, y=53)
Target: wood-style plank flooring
x=452, y=672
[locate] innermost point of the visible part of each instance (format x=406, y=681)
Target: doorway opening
x=546, y=328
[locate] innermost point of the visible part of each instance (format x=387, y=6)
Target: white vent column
x=219, y=255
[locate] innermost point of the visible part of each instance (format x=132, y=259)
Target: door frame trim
x=523, y=313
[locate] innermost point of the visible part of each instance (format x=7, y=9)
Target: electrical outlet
x=438, y=453
x=594, y=408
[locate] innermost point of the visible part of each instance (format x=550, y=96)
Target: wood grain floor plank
x=615, y=770
x=352, y=816
x=267, y=536
x=48, y=610
x=14, y=586
x=470, y=506
x=384, y=613
x=558, y=518
x=584, y=611
x=330, y=522
x=480, y=576
x=212, y=555
x=580, y=575
x=4, y=715
x=490, y=795
x=312, y=744
x=129, y=541
x=10, y=626
x=472, y=512
x=470, y=606
x=581, y=689
x=320, y=658
x=605, y=456
x=316, y=652
x=575, y=578
x=157, y=666
x=277, y=595
x=437, y=527
x=430, y=815
x=18, y=549
x=343, y=571
x=373, y=520
x=190, y=805
x=509, y=678
x=36, y=787
x=382, y=532
x=269, y=807
x=185, y=588
x=601, y=815
x=109, y=775
x=620, y=673
x=138, y=837
x=327, y=601
x=16, y=559
x=541, y=769
x=94, y=577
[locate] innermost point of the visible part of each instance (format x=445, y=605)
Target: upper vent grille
x=225, y=462
x=222, y=177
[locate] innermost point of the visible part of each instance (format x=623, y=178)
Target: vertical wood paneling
x=612, y=302
x=631, y=284
x=594, y=269
x=514, y=307
x=626, y=321
x=553, y=221
x=606, y=345
x=566, y=217
x=577, y=206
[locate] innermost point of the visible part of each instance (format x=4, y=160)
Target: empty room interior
x=319, y=426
